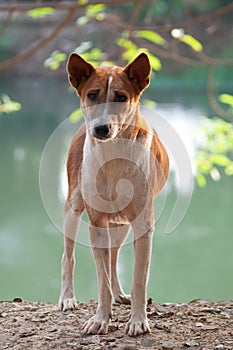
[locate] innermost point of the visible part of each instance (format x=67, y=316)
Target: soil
x=200, y=324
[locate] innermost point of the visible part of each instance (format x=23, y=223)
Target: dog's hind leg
x=138, y=322
x=72, y=218
x=118, y=234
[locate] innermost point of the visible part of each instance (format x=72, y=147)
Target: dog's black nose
x=101, y=131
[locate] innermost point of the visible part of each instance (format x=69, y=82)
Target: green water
x=195, y=261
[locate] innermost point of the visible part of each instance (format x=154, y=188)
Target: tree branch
x=41, y=44
x=211, y=96
x=62, y=5
x=190, y=22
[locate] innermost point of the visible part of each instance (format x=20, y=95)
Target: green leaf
x=53, y=62
x=150, y=36
x=201, y=180
x=150, y=104
x=155, y=62
x=76, y=116
x=220, y=159
x=41, y=12
x=84, y=46
x=82, y=2
x=8, y=106
x=95, y=55
x=93, y=10
x=192, y=42
x=179, y=34
x=82, y=21
x=229, y=169
x=126, y=44
x=227, y=99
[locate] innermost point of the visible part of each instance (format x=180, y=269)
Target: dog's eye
x=92, y=96
x=120, y=98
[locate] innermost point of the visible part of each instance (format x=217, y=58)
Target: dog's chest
x=112, y=178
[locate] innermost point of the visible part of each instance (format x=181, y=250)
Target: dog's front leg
x=138, y=322
x=67, y=298
x=100, y=242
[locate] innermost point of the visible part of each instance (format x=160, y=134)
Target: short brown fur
x=147, y=174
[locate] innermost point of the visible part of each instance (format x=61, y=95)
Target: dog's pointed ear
x=79, y=70
x=139, y=72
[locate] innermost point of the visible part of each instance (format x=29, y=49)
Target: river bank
x=200, y=324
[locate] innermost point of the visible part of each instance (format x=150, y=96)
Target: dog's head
x=109, y=95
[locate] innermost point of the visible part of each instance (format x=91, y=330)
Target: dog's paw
x=67, y=304
x=123, y=299
x=136, y=327
x=96, y=326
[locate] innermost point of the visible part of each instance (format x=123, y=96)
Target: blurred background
x=189, y=43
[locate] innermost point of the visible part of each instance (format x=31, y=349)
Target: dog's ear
x=139, y=71
x=78, y=70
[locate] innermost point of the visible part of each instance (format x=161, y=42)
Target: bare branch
x=174, y=56
x=211, y=96
x=199, y=19
x=213, y=61
x=62, y=5
x=41, y=44
x=6, y=22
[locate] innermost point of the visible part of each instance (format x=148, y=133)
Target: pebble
x=95, y=339
x=167, y=345
x=147, y=342
x=112, y=328
x=191, y=343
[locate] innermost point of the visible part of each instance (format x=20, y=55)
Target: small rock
x=112, y=328
x=95, y=339
x=209, y=328
x=3, y=314
x=199, y=324
x=162, y=327
x=109, y=340
x=219, y=347
x=126, y=347
x=17, y=300
x=191, y=343
x=149, y=301
x=52, y=330
x=48, y=338
x=72, y=344
x=27, y=334
x=147, y=342
x=168, y=345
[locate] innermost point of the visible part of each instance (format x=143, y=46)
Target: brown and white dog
x=116, y=166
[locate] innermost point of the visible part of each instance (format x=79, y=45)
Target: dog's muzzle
x=102, y=132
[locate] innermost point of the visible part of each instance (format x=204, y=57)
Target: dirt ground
x=199, y=324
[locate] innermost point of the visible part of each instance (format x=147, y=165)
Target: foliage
x=76, y=116
x=7, y=105
x=53, y=62
x=40, y=12
x=143, y=31
x=216, y=148
x=189, y=40
x=150, y=35
x=228, y=100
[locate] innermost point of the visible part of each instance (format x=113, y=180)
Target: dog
x=116, y=166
